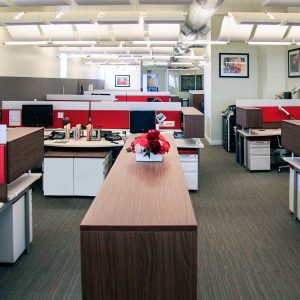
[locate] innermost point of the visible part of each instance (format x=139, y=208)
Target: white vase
x=153, y=157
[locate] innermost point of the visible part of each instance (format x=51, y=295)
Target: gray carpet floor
x=248, y=245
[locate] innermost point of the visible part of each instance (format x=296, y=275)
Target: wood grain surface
x=249, y=117
x=139, y=265
x=290, y=136
x=139, y=195
x=25, y=149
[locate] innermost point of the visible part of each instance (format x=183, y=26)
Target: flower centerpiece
x=149, y=146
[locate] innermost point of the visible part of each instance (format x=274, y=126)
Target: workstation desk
x=139, y=237
x=253, y=147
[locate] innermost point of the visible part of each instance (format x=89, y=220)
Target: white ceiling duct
x=284, y=3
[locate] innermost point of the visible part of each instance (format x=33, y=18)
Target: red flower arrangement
x=151, y=142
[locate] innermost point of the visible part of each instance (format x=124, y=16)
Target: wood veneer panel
x=193, y=123
x=25, y=149
x=249, y=117
x=196, y=100
x=139, y=265
x=3, y=192
x=142, y=195
x=290, y=136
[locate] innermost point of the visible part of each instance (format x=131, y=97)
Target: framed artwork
x=234, y=65
x=187, y=82
x=122, y=80
x=294, y=63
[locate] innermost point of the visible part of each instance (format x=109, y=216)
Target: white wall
x=224, y=91
x=27, y=61
x=133, y=71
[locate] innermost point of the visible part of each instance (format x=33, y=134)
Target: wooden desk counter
x=139, y=237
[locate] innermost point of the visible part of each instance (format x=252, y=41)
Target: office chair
x=282, y=155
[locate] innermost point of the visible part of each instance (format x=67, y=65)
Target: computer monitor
x=37, y=115
x=142, y=121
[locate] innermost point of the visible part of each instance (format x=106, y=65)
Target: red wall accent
x=188, y=151
x=2, y=166
x=172, y=116
x=274, y=115
x=76, y=116
x=123, y=98
x=114, y=119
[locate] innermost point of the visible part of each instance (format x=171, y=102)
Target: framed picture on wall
x=190, y=82
x=234, y=65
x=294, y=63
x=122, y=80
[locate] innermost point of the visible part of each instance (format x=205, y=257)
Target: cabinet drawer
x=188, y=157
x=190, y=167
x=191, y=180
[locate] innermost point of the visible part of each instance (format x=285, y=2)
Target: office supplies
x=56, y=135
x=109, y=136
x=96, y=135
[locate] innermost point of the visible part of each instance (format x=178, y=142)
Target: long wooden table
x=139, y=237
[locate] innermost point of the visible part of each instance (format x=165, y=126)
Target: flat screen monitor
x=37, y=115
x=142, y=121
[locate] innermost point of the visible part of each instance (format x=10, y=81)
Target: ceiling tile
x=269, y=33
x=180, y=2
x=163, y=32
x=102, y=2
x=41, y=2
x=128, y=32
x=58, y=32
x=93, y=32
x=24, y=33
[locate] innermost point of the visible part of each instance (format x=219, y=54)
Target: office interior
x=217, y=217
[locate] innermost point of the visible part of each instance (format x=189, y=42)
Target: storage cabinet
x=192, y=123
x=75, y=173
x=291, y=193
x=190, y=164
x=259, y=158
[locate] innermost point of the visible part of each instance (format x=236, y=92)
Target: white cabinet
x=77, y=174
x=12, y=232
x=190, y=165
x=259, y=158
x=291, y=193
x=58, y=176
x=88, y=176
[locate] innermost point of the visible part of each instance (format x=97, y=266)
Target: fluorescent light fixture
x=25, y=43
x=253, y=18
x=102, y=2
x=164, y=18
x=284, y=3
x=59, y=15
x=270, y=43
x=41, y=2
x=74, y=42
x=116, y=18
x=181, y=63
x=202, y=42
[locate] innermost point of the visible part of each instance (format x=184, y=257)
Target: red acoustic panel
x=172, y=116
x=2, y=164
x=112, y=119
x=274, y=115
x=141, y=98
x=5, y=116
x=76, y=116
x=188, y=151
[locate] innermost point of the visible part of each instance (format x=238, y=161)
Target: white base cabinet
x=259, y=158
x=190, y=164
x=291, y=193
x=79, y=175
x=12, y=232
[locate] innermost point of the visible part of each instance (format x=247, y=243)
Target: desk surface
x=142, y=195
x=295, y=162
x=260, y=132
x=82, y=143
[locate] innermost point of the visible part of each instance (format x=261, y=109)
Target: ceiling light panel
x=289, y=19
x=269, y=33
x=293, y=35
x=30, y=18
x=102, y=2
x=5, y=3
x=119, y=18
x=162, y=50
x=58, y=32
x=93, y=32
x=164, y=18
x=284, y=3
x=128, y=32
x=253, y=18
x=41, y=2
x=178, y=2
x=233, y=32
x=24, y=33
x=75, y=18
x=164, y=32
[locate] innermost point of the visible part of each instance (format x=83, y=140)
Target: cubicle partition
x=273, y=112
x=106, y=114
